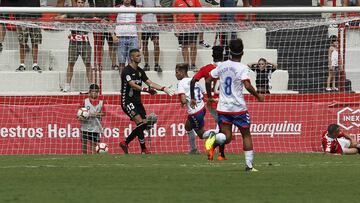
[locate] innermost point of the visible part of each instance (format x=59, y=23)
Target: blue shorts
x=197, y=120
x=240, y=120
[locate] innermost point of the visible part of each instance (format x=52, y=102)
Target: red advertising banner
x=276, y=127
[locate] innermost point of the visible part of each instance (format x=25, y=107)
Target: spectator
x=79, y=44
x=207, y=18
x=99, y=37
x=336, y=142
x=25, y=32
x=351, y=2
x=2, y=35
x=187, y=40
x=150, y=19
x=62, y=3
x=228, y=18
x=263, y=70
x=333, y=63
x=91, y=127
x=166, y=18
x=3, y=3
x=126, y=33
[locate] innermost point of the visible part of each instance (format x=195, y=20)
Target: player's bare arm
x=97, y=114
x=208, y=91
x=136, y=87
x=156, y=86
x=252, y=90
x=331, y=49
x=182, y=98
x=192, y=92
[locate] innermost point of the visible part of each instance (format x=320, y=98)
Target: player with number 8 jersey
x=231, y=108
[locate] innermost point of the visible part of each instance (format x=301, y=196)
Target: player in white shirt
x=231, y=108
x=195, y=121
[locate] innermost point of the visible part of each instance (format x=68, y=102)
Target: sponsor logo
x=348, y=118
x=283, y=128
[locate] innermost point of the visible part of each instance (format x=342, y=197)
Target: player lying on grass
x=336, y=142
x=195, y=121
x=204, y=72
x=231, y=108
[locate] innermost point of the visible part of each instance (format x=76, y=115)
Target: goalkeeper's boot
x=145, y=151
x=210, y=141
x=248, y=169
x=124, y=147
x=221, y=158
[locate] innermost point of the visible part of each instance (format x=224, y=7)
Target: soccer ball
x=83, y=113
x=220, y=138
x=151, y=119
x=102, y=148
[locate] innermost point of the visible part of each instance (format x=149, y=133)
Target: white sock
x=249, y=156
x=206, y=134
x=217, y=130
x=192, y=139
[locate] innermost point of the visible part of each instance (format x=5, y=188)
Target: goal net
x=74, y=48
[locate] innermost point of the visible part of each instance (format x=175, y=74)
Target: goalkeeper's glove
x=149, y=90
x=168, y=91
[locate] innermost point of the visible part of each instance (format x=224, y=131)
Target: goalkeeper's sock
x=141, y=136
x=249, y=156
x=207, y=133
x=222, y=150
x=139, y=129
x=192, y=139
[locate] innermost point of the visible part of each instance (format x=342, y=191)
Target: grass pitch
x=179, y=178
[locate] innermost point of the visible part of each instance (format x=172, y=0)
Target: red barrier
x=276, y=127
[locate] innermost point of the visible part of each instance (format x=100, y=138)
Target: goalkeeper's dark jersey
x=130, y=74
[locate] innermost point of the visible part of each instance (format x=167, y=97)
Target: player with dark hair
x=263, y=70
x=132, y=78
x=91, y=127
x=196, y=113
x=231, y=108
x=336, y=142
x=204, y=72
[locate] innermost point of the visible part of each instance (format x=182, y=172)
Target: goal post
x=38, y=118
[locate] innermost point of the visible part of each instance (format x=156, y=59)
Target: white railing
x=180, y=10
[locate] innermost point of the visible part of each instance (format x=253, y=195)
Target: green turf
x=179, y=178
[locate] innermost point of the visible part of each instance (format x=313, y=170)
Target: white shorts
x=344, y=143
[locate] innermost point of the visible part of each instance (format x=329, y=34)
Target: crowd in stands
x=125, y=36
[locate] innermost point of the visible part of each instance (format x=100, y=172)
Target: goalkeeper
x=132, y=78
